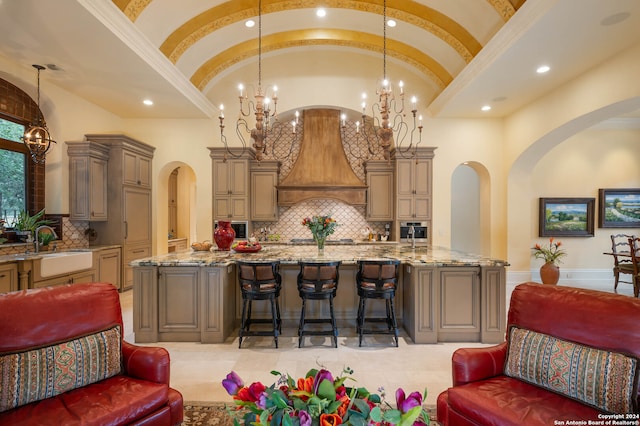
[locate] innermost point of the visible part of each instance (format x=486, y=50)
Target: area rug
x=215, y=413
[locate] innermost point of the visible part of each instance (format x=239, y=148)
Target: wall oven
x=419, y=229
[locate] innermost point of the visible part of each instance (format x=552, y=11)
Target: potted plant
x=26, y=224
x=45, y=238
x=550, y=271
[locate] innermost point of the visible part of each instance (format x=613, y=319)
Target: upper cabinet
x=379, y=190
x=230, y=186
x=136, y=169
x=414, y=182
x=264, y=193
x=88, y=174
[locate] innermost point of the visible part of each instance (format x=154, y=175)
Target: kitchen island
x=443, y=296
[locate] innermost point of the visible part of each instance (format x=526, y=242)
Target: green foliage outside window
x=12, y=173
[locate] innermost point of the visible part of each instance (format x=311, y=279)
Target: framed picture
x=569, y=217
x=619, y=208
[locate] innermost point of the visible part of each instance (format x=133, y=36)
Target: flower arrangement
x=552, y=254
x=320, y=226
x=319, y=399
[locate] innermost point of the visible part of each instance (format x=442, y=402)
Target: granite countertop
x=348, y=254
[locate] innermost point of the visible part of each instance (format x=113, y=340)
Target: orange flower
x=305, y=384
x=330, y=420
x=342, y=409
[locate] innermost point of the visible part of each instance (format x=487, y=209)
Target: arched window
x=21, y=180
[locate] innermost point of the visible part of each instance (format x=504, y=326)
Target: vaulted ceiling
x=189, y=55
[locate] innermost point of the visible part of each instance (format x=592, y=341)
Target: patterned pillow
x=604, y=380
x=42, y=373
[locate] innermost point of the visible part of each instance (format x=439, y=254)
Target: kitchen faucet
x=37, y=240
x=412, y=232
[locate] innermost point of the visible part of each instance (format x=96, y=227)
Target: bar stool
x=259, y=281
x=318, y=281
x=377, y=279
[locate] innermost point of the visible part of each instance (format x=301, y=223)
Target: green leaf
x=326, y=390
x=279, y=399
x=410, y=416
x=376, y=414
x=392, y=416
x=362, y=406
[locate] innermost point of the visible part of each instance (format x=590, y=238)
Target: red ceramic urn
x=224, y=235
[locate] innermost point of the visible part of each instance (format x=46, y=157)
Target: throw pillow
x=41, y=373
x=602, y=379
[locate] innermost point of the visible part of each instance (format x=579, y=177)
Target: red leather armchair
x=138, y=393
x=482, y=394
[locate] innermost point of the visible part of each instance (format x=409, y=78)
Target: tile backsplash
x=351, y=220
x=73, y=236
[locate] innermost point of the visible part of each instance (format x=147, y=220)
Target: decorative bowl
x=244, y=247
x=203, y=246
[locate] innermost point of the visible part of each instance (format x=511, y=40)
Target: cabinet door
x=109, y=267
x=79, y=184
x=98, y=187
x=405, y=177
x=129, y=254
x=178, y=300
x=239, y=209
x=221, y=178
x=422, y=174
x=238, y=177
x=380, y=196
x=137, y=216
x=144, y=171
x=129, y=168
x=264, y=196
x=8, y=278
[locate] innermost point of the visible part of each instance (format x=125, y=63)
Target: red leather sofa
x=63, y=362
x=522, y=381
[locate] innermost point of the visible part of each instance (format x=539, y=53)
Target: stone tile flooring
x=197, y=369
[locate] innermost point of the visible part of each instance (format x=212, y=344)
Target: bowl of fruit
x=246, y=247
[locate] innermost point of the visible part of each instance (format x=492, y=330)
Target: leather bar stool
x=318, y=281
x=259, y=281
x=377, y=279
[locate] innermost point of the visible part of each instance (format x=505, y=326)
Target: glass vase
x=320, y=242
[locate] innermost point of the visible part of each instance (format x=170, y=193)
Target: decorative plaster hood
x=322, y=169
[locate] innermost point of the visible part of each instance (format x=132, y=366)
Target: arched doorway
x=470, y=209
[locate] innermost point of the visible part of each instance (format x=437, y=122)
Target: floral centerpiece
x=549, y=272
x=321, y=227
x=319, y=399
x=551, y=254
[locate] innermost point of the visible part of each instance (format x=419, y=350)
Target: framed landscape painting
x=569, y=217
x=619, y=208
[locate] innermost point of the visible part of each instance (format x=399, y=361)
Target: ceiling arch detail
x=405, y=10
x=132, y=8
x=313, y=37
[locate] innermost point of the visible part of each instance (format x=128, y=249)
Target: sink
x=65, y=262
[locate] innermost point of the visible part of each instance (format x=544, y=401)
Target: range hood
x=322, y=169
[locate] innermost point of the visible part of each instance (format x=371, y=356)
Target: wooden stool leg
x=242, y=321
x=301, y=325
x=334, y=326
x=274, y=320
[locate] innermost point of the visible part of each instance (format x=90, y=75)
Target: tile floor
x=197, y=369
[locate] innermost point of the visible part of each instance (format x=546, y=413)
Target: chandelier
x=388, y=116
x=264, y=107
x=37, y=137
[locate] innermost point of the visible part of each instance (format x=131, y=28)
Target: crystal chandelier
x=264, y=107
x=388, y=116
x=37, y=137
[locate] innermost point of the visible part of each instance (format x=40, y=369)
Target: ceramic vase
x=549, y=273
x=224, y=235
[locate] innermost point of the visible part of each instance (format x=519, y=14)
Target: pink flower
x=405, y=404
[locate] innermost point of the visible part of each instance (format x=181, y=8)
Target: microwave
x=419, y=229
x=241, y=228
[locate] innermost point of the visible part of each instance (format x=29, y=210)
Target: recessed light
x=250, y=23
x=486, y=108
x=543, y=69
x=321, y=12
x=148, y=102
x=391, y=23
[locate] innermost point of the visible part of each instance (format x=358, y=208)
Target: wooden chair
x=621, y=264
x=634, y=245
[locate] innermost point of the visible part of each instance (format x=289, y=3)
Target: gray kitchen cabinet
x=88, y=175
x=414, y=189
x=110, y=266
x=380, y=190
x=129, y=191
x=264, y=194
x=230, y=186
